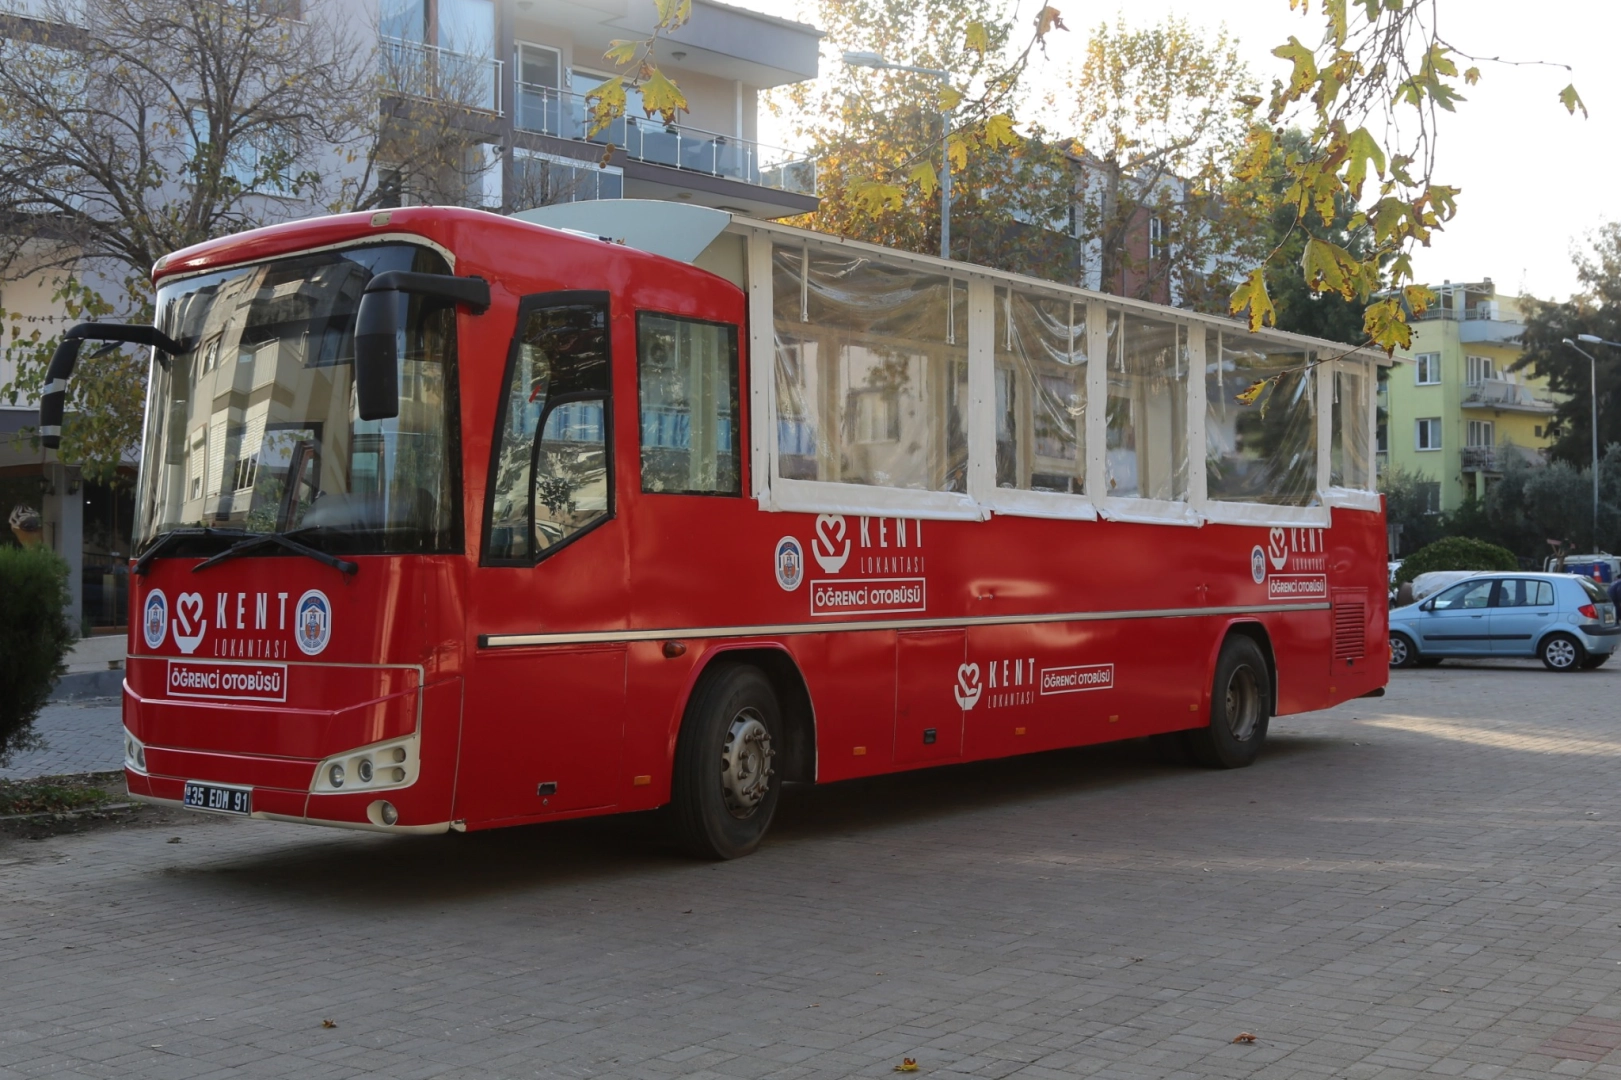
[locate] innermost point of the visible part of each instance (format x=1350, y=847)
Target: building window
x=1429, y=496
x=1482, y=433
x=1382, y=435
x=1480, y=368
x=1156, y=238
x=1427, y=433
x=1537, y=431
x=1427, y=367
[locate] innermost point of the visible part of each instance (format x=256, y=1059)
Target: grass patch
x=59, y=794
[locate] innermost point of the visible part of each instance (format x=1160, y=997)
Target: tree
x=1156, y=123
x=1372, y=89
x=1596, y=310
x=1300, y=309
x=877, y=136
x=146, y=126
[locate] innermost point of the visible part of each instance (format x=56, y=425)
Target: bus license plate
x=226, y=800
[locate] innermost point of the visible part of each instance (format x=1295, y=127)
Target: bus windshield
x=254, y=429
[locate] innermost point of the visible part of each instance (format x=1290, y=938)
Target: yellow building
x=1454, y=409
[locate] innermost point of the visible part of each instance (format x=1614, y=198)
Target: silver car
x=1564, y=620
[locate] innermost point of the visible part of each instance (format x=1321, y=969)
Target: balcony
x=564, y=115
x=1491, y=459
x=429, y=73
x=1502, y=395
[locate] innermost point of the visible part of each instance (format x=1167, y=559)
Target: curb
x=88, y=684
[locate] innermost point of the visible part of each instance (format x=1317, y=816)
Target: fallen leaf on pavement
x=329, y=1023
x=907, y=1065
x=1243, y=1037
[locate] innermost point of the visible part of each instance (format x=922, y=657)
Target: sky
x=1534, y=180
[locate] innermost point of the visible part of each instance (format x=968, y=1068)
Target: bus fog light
x=363, y=770
x=399, y=776
x=334, y=776
x=399, y=753
x=382, y=812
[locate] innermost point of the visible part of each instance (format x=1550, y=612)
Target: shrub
x=1456, y=553
x=35, y=637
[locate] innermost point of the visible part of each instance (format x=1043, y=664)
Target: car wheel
x=1403, y=653
x=1561, y=652
x=722, y=795
x=1240, y=708
x=1596, y=661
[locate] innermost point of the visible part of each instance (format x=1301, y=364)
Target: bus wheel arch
x=796, y=758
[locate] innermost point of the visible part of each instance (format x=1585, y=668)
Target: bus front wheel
x=1240, y=708
x=724, y=792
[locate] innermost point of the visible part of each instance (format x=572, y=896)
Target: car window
x=1519, y=592
x=1594, y=593
x=1465, y=594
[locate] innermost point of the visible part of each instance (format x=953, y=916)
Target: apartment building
x=1455, y=411
x=518, y=73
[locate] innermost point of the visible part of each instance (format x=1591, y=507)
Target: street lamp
x=1592, y=376
x=873, y=60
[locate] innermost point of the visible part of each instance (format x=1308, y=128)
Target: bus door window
x=688, y=383
x=551, y=472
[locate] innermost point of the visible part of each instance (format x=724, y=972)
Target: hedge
x=1456, y=553
x=35, y=637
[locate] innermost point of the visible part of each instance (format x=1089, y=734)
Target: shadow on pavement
x=400, y=872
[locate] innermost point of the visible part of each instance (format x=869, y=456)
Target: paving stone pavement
x=1421, y=885
x=80, y=736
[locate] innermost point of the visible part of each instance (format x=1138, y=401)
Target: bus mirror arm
x=377, y=323
x=53, y=396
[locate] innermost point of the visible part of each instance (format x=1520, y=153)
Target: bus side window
x=687, y=382
x=550, y=475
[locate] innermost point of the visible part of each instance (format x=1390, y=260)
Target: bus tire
x=722, y=795
x=1240, y=708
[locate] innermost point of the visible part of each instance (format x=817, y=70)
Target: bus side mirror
x=382, y=314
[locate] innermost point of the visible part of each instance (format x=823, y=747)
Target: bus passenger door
x=932, y=686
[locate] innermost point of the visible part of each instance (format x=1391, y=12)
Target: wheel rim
x=1398, y=651
x=1560, y=653
x=745, y=764
x=1243, y=703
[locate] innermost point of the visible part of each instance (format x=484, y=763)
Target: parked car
x=1564, y=620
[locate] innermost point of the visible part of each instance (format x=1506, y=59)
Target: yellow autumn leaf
x=957, y=151
x=1252, y=297
x=907, y=1065
x=607, y=103
x=977, y=38
x=1418, y=297
x=1252, y=393
x=672, y=13
x=660, y=95
x=1305, y=64
x=924, y=176
x=1048, y=19
x=875, y=197
x=950, y=98
x=621, y=52
x=1385, y=323
x=1361, y=148
x=999, y=131
x=1472, y=76
x=1329, y=268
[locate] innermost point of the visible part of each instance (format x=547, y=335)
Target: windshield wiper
x=252, y=543
x=144, y=563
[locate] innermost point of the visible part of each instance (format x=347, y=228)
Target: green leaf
x=1360, y=149
x=977, y=38
x=1571, y=100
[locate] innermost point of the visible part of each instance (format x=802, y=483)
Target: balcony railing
x=565, y=115
x=1502, y=394
x=427, y=72
x=1491, y=459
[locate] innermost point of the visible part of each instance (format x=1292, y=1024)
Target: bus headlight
x=357, y=769
x=134, y=753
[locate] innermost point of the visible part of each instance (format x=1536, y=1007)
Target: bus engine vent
x=1350, y=630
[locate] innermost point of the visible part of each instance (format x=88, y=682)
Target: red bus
x=449, y=520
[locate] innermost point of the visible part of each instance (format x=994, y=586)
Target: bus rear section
x=631, y=534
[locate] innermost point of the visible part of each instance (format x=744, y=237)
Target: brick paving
x=79, y=736
x=1427, y=884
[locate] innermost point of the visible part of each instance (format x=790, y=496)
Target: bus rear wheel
x=723, y=795
x=1240, y=708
